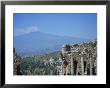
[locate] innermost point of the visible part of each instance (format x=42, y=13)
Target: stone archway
x=75, y=67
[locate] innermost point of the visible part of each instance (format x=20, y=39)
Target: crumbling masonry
x=79, y=59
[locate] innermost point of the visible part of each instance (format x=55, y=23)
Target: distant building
x=51, y=61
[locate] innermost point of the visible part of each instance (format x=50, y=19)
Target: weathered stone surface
x=80, y=58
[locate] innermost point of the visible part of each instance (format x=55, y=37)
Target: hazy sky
x=77, y=25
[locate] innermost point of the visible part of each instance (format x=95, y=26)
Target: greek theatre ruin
x=79, y=59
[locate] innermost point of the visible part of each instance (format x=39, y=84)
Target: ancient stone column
x=72, y=66
x=90, y=65
x=82, y=65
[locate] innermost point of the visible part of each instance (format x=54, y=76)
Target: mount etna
x=37, y=43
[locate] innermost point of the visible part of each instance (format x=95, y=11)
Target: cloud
x=18, y=32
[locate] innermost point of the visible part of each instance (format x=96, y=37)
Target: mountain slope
x=41, y=43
